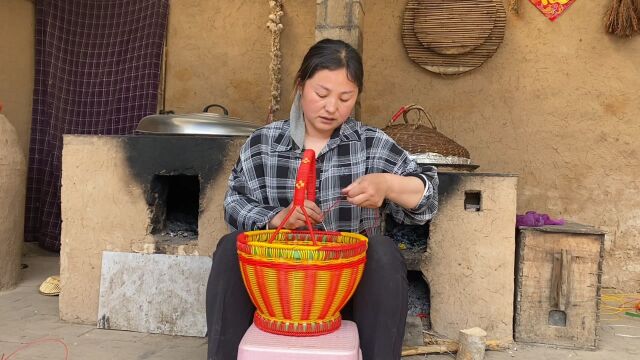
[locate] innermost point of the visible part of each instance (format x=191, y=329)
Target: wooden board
x=450, y=64
x=454, y=26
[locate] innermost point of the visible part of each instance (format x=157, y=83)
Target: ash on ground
x=182, y=227
x=418, y=297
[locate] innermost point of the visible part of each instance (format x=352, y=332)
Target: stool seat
x=342, y=344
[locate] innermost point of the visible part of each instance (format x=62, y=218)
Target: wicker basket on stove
x=419, y=138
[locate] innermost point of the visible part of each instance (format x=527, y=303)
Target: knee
x=227, y=243
x=383, y=252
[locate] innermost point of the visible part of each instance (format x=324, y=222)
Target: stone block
x=352, y=35
x=338, y=13
x=154, y=293
x=357, y=13
x=321, y=12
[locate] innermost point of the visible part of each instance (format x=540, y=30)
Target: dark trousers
x=378, y=307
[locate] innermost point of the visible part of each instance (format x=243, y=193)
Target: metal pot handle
x=224, y=109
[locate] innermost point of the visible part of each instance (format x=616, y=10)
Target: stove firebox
x=174, y=206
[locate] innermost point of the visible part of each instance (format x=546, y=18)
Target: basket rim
x=245, y=239
x=300, y=265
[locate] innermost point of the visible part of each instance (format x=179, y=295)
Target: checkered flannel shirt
x=262, y=181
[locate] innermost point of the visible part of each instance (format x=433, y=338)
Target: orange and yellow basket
x=300, y=280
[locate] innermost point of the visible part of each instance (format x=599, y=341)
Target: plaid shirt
x=262, y=182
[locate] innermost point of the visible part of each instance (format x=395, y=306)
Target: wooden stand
x=558, y=285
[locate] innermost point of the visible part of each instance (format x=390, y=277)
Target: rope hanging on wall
x=275, y=26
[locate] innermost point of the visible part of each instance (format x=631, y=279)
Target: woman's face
x=327, y=101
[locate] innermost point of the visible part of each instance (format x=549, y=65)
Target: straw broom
x=623, y=17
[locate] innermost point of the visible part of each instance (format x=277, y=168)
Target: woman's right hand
x=297, y=219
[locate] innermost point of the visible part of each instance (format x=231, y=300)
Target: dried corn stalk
x=275, y=26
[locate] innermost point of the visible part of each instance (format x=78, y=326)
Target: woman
x=360, y=171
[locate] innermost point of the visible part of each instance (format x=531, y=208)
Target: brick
x=352, y=35
x=357, y=13
x=338, y=13
x=321, y=12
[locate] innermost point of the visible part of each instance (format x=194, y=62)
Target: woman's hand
x=368, y=191
x=297, y=219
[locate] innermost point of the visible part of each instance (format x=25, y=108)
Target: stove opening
x=174, y=204
x=419, y=298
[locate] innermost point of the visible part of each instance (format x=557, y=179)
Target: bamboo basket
x=418, y=138
x=300, y=280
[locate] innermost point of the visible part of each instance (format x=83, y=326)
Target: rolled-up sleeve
x=390, y=158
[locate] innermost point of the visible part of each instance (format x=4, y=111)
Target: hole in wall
x=473, y=200
x=557, y=318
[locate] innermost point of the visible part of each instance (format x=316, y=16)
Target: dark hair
x=330, y=54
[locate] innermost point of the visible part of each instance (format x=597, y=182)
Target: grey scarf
x=296, y=121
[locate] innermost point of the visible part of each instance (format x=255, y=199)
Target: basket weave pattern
x=300, y=280
x=418, y=138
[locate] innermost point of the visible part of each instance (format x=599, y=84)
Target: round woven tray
x=461, y=56
x=454, y=26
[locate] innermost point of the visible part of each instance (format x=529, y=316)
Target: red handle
x=306, y=180
x=305, y=189
x=398, y=114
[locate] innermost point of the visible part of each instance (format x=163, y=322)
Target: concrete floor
x=27, y=316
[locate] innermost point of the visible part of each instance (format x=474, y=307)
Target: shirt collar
x=348, y=132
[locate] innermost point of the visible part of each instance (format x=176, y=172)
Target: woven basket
x=300, y=280
x=418, y=138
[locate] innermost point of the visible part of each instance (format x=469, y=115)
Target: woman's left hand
x=368, y=191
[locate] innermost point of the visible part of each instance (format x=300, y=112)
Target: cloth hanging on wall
x=97, y=72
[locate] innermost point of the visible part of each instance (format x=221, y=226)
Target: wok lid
x=204, y=123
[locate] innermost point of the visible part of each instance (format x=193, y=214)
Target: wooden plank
x=445, y=346
x=564, y=298
x=556, y=279
x=568, y=227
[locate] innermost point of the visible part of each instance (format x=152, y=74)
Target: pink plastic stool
x=343, y=344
